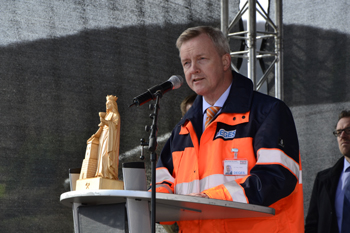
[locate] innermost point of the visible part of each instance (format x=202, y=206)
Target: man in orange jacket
x=251, y=132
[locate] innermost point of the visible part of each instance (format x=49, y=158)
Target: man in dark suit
x=325, y=213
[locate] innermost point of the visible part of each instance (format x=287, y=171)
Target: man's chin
x=345, y=150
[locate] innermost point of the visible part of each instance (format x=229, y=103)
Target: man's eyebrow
x=198, y=55
x=185, y=59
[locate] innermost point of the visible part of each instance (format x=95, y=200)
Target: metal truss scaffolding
x=251, y=35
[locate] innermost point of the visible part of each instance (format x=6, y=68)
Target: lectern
x=121, y=211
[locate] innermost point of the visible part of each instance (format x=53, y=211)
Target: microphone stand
x=152, y=146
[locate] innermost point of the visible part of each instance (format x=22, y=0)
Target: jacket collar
x=241, y=95
x=331, y=178
x=337, y=169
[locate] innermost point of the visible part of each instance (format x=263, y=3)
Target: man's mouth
x=345, y=143
x=197, y=79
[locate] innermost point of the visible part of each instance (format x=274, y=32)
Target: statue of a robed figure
x=100, y=166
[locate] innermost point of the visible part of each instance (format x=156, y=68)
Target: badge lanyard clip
x=235, y=152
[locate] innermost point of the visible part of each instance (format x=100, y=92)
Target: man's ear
x=226, y=61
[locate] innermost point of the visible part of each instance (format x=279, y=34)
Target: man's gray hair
x=220, y=41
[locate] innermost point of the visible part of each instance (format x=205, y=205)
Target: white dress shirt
x=339, y=195
x=219, y=103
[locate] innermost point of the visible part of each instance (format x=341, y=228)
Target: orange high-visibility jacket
x=262, y=129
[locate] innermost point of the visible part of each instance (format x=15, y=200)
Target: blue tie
x=345, y=227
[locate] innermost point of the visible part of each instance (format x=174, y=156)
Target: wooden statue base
x=99, y=183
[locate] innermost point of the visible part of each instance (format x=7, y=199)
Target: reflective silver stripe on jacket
x=164, y=175
x=187, y=188
x=236, y=191
x=165, y=186
x=208, y=182
x=277, y=156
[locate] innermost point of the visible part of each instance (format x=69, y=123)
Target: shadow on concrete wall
x=316, y=65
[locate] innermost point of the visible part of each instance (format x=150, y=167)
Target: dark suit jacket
x=321, y=217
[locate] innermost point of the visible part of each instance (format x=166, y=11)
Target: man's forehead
x=343, y=123
x=197, y=44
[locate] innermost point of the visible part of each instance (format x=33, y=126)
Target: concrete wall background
x=60, y=58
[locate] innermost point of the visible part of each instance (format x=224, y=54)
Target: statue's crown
x=111, y=97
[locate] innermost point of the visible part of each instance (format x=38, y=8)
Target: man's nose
x=343, y=134
x=194, y=68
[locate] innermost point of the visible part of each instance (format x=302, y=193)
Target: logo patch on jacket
x=225, y=134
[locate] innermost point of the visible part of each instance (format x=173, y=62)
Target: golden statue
x=109, y=138
x=100, y=166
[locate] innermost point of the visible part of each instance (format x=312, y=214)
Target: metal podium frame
x=128, y=210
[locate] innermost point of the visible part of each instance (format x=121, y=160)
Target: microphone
x=174, y=82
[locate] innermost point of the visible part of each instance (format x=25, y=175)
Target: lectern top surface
x=171, y=207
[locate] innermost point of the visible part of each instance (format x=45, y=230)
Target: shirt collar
x=346, y=165
x=220, y=102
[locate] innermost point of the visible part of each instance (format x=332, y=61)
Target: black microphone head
x=176, y=80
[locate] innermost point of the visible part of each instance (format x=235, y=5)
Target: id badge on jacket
x=234, y=167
